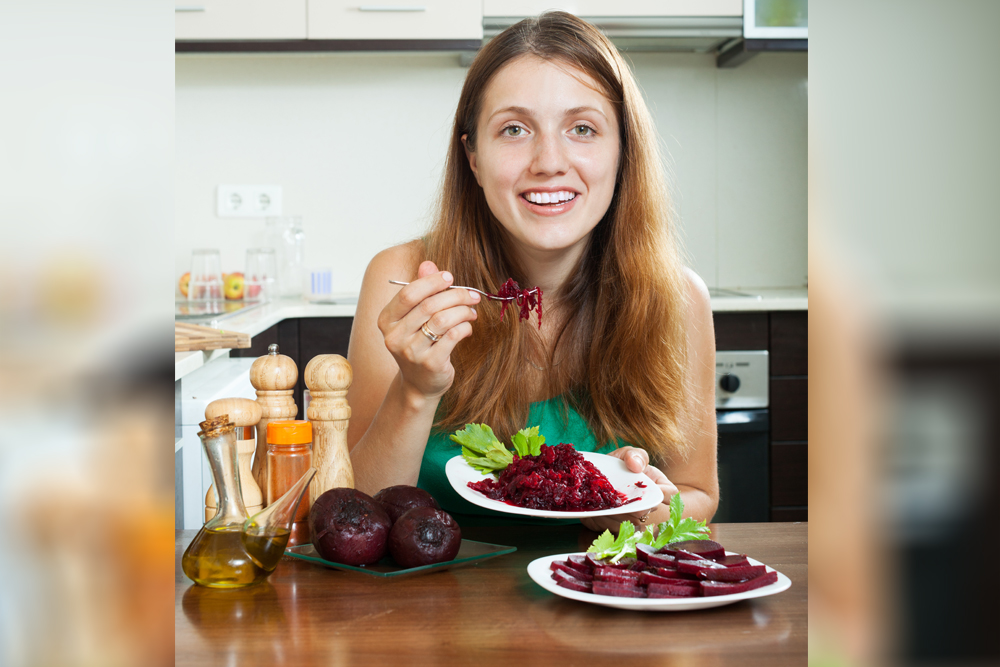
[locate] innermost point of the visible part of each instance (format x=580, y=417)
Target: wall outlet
x=248, y=201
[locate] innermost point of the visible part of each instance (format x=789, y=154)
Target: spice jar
x=289, y=456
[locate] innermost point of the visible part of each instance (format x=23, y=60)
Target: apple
x=185, y=280
x=232, y=286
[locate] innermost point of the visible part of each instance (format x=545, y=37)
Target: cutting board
x=189, y=337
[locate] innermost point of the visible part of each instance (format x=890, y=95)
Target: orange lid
x=293, y=432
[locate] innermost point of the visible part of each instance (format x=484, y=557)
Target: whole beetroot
x=423, y=536
x=349, y=527
x=398, y=500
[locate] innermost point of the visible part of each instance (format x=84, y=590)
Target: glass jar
x=289, y=456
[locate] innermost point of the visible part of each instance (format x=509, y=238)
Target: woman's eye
x=512, y=131
x=583, y=130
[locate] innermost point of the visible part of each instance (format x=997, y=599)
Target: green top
x=544, y=414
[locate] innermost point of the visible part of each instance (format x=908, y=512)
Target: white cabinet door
x=395, y=19
x=240, y=19
x=619, y=8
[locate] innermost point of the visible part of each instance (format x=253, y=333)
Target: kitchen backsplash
x=357, y=142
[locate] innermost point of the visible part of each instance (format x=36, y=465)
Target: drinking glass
x=260, y=274
x=206, y=275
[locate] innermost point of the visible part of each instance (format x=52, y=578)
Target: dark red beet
x=733, y=573
x=699, y=548
x=661, y=560
x=566, y=569
x=572, y=583
x=398, y=500
x=349, y=527
x=617, y=590
x=647, y=578
x=617, y=576
x=698, y=566
x=423, y=536
x=578, y=562
x=642, y=552
x=732, y=561
x=724, y=588
x=670, y=591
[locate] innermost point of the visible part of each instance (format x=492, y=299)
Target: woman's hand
x=637, y=460
x=426, y=304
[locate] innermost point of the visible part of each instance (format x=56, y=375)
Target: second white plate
x=634, y=485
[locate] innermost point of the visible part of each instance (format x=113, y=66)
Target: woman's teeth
x=549, y=197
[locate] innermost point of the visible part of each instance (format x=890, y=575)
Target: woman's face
x=546, y=154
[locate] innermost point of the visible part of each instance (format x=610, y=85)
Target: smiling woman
x=553, y=179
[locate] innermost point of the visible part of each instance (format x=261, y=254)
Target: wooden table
x=490, y=613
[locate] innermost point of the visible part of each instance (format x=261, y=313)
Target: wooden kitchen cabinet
x=395, y=20
x=239, y=19
x=594, y=8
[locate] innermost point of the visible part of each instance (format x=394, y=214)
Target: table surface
x=489, y=613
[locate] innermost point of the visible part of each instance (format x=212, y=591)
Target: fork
x=488, y=296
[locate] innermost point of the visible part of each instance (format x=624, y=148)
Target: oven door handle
x=742, y=421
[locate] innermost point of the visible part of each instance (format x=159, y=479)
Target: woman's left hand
x=637, y=460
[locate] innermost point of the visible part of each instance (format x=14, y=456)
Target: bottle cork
x=328, y=377
x=244, y=414
x=273, y=376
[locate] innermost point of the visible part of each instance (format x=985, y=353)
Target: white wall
x=358, y=143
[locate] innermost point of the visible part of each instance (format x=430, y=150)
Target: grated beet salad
x=558, y=478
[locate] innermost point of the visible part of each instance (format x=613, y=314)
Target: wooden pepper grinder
x=328, y=376
x=245, y=414
x=273, y=376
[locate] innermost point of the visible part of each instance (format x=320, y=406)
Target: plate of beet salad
x=560, y=483
x=646, y=587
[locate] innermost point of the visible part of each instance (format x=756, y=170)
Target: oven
x=741, y=402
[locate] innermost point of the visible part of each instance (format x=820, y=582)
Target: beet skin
x=398, y=500
x=423, y=536
x=349, y=527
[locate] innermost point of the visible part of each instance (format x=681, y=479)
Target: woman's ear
x=471, y=155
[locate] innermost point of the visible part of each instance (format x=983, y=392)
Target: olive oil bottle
x=230, y=550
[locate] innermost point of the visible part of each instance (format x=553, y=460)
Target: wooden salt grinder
x=328, y=376
x=273, y=376
x=245, y=414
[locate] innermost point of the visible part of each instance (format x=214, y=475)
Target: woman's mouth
x=552, y=199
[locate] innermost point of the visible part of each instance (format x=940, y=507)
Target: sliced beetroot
x=593, y=561
x=733, y=573
x=698, y=548
x=566, y=569
x=669, y=573
x=578, y=562
x=642, y=552
x=732, y=561
x=671, y=591
x=572, y=583
x=661, y=560
x=725, y=588
x=616, y=576
x=617, y=590
x=647, y=578
x=696, y=567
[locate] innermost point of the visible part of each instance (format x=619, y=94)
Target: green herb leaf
x=481, y=448
x=677, y=529
x=527, y=442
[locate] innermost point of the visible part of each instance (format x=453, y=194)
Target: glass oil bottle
x=230, y=550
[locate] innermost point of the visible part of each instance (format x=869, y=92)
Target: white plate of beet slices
x=679, y=578
x=637, y=487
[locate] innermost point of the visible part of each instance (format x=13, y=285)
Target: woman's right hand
x=425, y=365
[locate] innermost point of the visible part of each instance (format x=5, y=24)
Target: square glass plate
x=470, y=552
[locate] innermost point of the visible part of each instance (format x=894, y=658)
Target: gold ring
x=642, y=519
x=430, y=334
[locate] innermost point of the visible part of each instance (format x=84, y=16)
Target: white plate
x=538, y=570
x=460, y=473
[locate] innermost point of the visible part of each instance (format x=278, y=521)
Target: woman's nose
x=550, y=156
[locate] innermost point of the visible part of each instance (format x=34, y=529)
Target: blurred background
x=904, y=293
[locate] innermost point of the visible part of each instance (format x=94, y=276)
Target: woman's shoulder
x=399, y=262
x=697, y=291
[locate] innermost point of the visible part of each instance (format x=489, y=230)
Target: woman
x=553, y=179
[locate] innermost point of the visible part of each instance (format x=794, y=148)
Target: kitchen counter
x=490, y=613
x=254, y=321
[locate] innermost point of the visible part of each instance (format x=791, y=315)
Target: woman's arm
x=696, y=478
x=399, y=373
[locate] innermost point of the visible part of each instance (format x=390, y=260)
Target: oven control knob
x=729, y=382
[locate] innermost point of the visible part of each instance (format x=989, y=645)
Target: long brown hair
x=622, y=350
